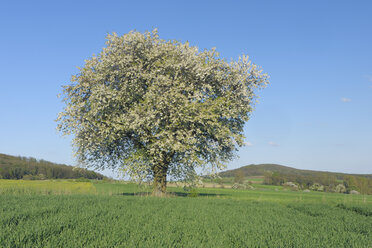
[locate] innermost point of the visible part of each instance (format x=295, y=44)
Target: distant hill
x=12, y=167
x=261, y=169
x=275, y=174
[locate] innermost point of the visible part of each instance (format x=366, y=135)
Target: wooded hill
x=304, y=179
x=12, y=167
x=262, y=169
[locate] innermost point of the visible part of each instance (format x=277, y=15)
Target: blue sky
x=316, y=113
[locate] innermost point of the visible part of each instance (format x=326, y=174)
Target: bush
x=291, y=186
x=317, y=187
x=340, y=188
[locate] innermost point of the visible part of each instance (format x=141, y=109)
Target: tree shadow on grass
x=174, y=194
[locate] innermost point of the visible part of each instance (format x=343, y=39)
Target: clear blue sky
x=315, y=114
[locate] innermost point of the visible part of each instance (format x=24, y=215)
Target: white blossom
x=144, y=101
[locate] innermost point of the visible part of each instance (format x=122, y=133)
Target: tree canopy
x=155, y=107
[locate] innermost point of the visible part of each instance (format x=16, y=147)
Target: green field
x=123, y=215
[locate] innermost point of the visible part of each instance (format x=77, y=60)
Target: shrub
x=291, y=186
x=317, y=187
x=340, y=188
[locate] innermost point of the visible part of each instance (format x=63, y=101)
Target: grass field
x=121, y=215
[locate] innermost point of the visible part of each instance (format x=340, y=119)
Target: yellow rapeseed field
x=47, y=187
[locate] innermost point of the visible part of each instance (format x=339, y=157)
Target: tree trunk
x=160, y=180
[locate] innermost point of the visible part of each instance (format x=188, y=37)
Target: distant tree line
x=33, y=169
x=325, y=182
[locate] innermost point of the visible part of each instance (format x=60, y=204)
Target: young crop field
x=122, y=215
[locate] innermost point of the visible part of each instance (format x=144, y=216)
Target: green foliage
x=32, y=169
x=317, y=187
x=155, y=107
x=239, y=177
